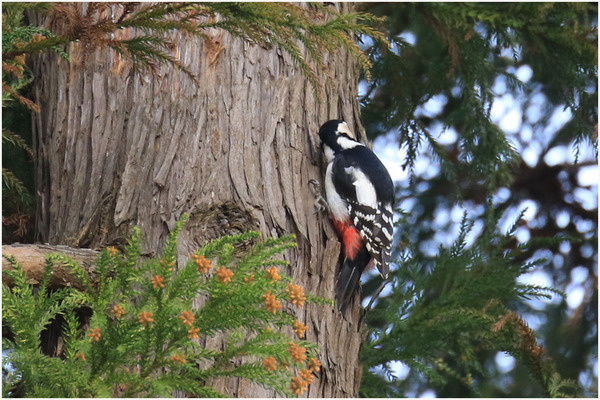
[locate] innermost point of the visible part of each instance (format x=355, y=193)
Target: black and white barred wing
x=372, y=218
x=375, y=227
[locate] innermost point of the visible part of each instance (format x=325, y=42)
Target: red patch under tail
x=350, y=237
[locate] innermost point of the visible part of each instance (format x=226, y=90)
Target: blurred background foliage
x=18, y=186
x=481, y=108
x=486, y=116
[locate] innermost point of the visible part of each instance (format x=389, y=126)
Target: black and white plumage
x=360, y=196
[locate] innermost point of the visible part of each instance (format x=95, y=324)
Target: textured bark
x=117, y=149
x=32, y=259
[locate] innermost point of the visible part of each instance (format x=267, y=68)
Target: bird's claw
x=320, y=202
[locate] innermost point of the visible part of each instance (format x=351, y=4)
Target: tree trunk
x=115, y=149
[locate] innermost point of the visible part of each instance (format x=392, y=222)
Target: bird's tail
x=349, y=278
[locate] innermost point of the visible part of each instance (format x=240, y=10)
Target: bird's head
x=335, y=137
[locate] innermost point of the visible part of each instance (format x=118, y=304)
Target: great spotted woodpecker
x=360, y=198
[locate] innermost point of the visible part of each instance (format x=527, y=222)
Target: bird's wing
x=372, y=219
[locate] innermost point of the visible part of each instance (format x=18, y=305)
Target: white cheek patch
x=343, y=128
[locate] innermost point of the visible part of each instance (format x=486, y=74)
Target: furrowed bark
x=117, y=149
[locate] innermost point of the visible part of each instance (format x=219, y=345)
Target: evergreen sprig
x=306, y=34
x=460, y=52
x=13, y=184
x=442, y=315
x=144, y=337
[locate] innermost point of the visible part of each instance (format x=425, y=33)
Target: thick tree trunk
x=116, y=149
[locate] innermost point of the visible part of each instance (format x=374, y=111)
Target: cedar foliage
x=459, y=54
x=140, y=339
x=140, y=33
x=444, y=312
x=465, y=55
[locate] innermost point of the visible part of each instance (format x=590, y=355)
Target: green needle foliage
x=142, y=35
x=459, y=51
x=444, y=314
x=433, y=89
x=144, y=337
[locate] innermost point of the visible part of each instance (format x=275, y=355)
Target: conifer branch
x=141, y=337
x=465, y=291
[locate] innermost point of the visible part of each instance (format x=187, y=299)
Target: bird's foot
x=320, y=202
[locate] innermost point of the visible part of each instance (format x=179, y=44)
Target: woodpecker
x=360, y=198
